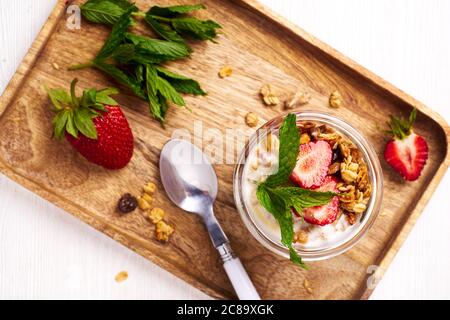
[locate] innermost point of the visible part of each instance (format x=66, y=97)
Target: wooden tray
x=262, y=48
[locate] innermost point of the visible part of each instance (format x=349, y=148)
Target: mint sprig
x=173, y=24
x=133, y=60
x=278, y=199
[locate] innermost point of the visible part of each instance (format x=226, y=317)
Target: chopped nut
x=334, y=168
x=305, y=138
x=269, y=95
x=127, y=203
x=351, y=218
x=301, y=237
x=335, y=99
x=143, y=204
x=55, y=66
x=156, y=215
x=150, y=188
x=296, y=100
x=163, y=231
x=121, y=276
x=307, y=286
x=225, y=71
x=251, y=119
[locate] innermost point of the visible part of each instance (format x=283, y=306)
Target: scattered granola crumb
x=127, y=203
x=251, y=119
x=225, y=71
x=163, y=231
x=156, y=215
x=335, y=99
x=150, y=188
x=121, y=276
x=55, y=66
x=297, y=100
x=143, y=204
x=269, y=95
x=147, y=198
x=307, y=286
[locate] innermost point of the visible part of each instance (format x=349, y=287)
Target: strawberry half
x=407, y=152
x=323, y=215
x=313, y=161
x=94, y=125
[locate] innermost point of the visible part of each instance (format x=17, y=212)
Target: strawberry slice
x=326, y=214
x=312, y=164
x=407, y=152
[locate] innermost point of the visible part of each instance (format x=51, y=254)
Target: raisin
x=337, y=155
x=127, y=203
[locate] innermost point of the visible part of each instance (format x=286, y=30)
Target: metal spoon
x=191, y=183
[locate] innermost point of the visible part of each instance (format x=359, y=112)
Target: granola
x=269, y=95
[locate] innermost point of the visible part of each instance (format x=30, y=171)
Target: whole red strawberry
x=407, y=152
x=94, y=125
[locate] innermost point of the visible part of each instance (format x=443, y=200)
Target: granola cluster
x=348, y=165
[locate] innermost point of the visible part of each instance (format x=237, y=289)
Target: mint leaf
x=104, y=11
x=117, y=34
x=302, y=198
x=181, y=83
x=195, y=28
x=152, y=93
x=169, y=92
x=166, y=50
x=289, y=147
x=122, y=77
x=277, y=206
x=129, y=53
x=164, y=31
x=174, y=10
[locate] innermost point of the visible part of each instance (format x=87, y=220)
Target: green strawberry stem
x=73, y=96
x=400, y=127
x=75, y=115
x=81, y=66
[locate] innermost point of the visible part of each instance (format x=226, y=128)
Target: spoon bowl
x=188, y=176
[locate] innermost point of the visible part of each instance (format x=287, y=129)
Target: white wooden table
x=46, y=253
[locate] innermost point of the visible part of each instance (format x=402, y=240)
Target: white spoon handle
x=245, y=290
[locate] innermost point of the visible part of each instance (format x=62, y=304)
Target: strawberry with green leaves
x=94, y=125
x=407, y=152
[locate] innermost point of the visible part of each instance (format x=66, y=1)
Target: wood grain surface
x=269, y=51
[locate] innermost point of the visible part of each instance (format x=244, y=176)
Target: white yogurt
x=267, y=164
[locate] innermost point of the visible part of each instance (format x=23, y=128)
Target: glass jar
x=254, y=224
